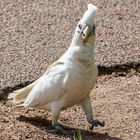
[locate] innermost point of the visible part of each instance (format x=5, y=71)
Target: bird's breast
x=78, y=84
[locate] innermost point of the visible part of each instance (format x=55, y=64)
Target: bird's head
x=85, y=30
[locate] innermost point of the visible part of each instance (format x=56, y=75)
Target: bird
x=69, y=80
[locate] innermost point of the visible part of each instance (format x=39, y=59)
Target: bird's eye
x=80, y=26
x=94, y=28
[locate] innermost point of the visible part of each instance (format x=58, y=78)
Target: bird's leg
x=86, y=104
x=55, y=115
x=58, y=128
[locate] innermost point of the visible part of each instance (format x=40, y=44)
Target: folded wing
x=46, y=89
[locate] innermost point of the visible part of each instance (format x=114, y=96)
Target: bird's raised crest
x=89, y=15
x=91, y=7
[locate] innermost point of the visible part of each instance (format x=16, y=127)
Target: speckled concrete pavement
x=35, y=33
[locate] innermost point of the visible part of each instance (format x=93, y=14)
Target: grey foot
x=61, y=130
x=95, y=123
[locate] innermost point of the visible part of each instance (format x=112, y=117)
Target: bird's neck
x=80, y=54
x=79, y=50
x=76, y=40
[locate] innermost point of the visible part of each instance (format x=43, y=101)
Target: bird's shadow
x=45, y=125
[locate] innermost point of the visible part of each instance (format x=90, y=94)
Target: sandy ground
x=35, y=33
x=116, y=100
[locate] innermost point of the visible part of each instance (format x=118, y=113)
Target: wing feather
x=48, y=88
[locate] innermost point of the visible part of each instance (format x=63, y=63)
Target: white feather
x=70, y=79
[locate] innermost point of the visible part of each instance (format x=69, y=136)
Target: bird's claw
x=96, y=123
x=61, y=130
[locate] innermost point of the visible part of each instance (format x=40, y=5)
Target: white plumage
x=70, y=79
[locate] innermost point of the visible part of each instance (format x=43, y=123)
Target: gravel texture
x=35, y=33
x=116, y=100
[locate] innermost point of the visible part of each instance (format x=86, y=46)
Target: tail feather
x=20, y=95
x=14, y=93
x=17, y=106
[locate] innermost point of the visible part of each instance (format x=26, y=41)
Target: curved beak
x=86, y=32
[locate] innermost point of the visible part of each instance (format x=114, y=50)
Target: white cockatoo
x=69, y=80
